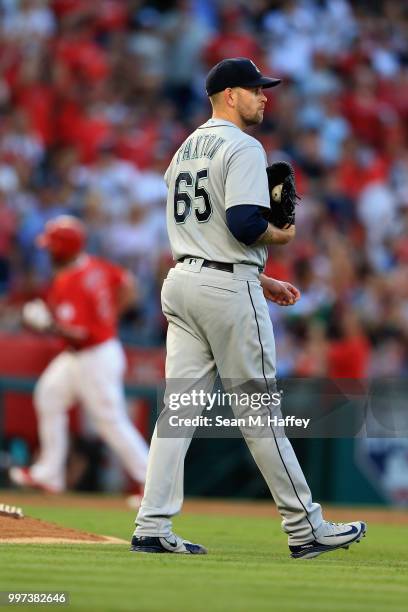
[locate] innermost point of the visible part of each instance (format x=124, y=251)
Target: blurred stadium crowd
x=95, y=97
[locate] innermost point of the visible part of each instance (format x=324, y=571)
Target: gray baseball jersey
x=217, y=167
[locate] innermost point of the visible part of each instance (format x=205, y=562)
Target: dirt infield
x=374, y=514
x=30, y=530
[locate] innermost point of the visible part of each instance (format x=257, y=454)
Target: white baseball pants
x=220, y=321
x=94, y=377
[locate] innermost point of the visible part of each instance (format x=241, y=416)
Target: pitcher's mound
x=35, y=531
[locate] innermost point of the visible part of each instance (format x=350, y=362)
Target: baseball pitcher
x=224, y=207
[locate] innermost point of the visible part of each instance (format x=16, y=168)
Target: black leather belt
x=218, y=265
x=215, y=265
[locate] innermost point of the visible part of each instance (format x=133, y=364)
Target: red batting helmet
x=64, y=237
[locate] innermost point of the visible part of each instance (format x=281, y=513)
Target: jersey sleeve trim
x=243, y=203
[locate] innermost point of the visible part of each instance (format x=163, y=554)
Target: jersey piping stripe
x=273, y=433
x=210, y=127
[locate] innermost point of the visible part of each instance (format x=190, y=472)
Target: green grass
x=247, y=570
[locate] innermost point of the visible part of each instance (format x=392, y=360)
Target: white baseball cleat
x=328, y=537
x=22, y=477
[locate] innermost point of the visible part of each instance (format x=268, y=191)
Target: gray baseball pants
x=219, y=321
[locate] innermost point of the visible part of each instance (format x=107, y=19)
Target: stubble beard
x=254, y=119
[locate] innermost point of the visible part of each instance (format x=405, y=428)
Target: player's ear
x=230, y=96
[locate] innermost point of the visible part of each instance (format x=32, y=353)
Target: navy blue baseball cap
x=236, y=72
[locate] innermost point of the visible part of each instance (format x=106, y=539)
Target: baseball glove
x=283, y=196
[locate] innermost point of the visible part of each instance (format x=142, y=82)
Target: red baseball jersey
x=83, y=299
